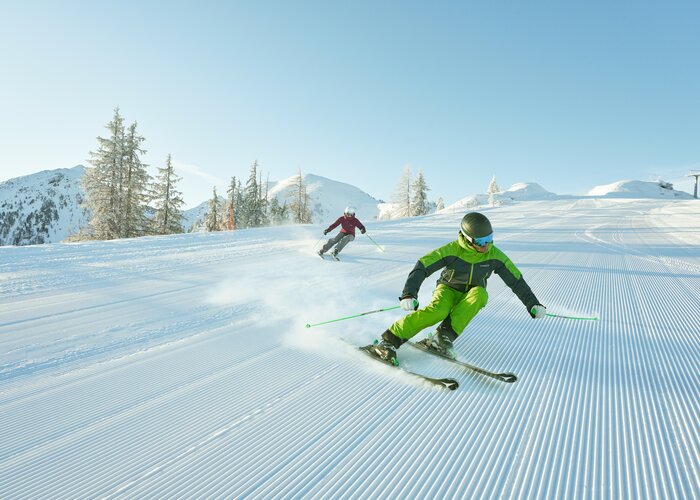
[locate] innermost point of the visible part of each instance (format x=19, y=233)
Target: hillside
x=180, y=366
x=328, y=198
x=46, y=207
x=42, y=207
x=638, y=190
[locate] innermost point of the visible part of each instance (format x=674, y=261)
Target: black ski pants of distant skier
x=340, y=240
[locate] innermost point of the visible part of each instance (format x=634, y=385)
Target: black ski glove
x=325, y=232
x=363, y=231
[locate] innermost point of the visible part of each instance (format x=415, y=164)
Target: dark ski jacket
x=465, y=268
x=348, y=225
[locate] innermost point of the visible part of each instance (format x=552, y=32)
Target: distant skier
x=461, y=290
x=348, y=223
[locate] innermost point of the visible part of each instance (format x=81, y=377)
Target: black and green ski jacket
x=465, y=268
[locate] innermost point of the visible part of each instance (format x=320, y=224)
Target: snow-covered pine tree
x=167, y=200
x=402, y=195
x=440, y=204
x=232, y=203
x=300, y=203
x=492, y=191
x=262, y=199
x=251, y=215
x=279, y=214
x=135, y=185
x=213, y=218
x=419, y=203
x=102, y=183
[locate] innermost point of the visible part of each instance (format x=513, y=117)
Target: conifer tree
x=263, y=205
x=102, y=183
x=117, y=188
x=213, y=218
x=402, y=195
x=279, y=214
x=233, y=201
x=492, y=191
x=167, y=201
x=419, y=203
x=135, y=184
x=251, y=214
x=440, y=204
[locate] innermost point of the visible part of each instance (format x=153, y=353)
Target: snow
x=520, y=191
x=328, y=198
x=41, y=208
x=637, y=189
x=180, y=366
x=527, y=191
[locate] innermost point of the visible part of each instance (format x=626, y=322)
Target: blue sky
x=568, y=94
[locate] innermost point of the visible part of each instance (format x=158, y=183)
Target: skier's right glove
x=325, y=232
x=408, y=303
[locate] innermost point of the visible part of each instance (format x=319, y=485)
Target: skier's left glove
x=363, y=231
x=408, y=303
x=325, y=232
x=538, y=311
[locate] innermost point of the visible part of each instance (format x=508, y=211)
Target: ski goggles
x=480, y=242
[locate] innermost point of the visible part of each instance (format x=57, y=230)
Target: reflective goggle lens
x=484, y=240
x=480, y=242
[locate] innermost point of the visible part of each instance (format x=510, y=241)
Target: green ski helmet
x=476, y=228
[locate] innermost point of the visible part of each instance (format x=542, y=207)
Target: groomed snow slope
x=180, y=367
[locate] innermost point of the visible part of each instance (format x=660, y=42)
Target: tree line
x=249, y=205
x=124, y=201
x=411, y=196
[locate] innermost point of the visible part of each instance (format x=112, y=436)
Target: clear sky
x=568, y=94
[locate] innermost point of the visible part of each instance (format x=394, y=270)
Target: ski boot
x=386, y=349
x=320, y=253
x=441, y=342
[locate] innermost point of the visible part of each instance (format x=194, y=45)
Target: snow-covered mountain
x=520, y=191
x=42, y=207
x=526, y=191
x=638, y=190
x=45, y=207
x=193, y=219
x=534, y=192
x=328, y=198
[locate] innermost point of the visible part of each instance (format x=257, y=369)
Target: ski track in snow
x=180, y=366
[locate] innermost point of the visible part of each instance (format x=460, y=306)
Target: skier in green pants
x=461, y=290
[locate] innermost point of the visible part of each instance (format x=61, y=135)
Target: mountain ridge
x=45, y=207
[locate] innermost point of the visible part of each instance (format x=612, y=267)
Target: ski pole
x=571, y=317
x=355, y=316
x=379, y=247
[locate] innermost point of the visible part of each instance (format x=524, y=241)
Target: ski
x=323, y=256
x=447, y=383
x=508, y=378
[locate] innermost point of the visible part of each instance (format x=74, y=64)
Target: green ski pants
x=461, y=307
